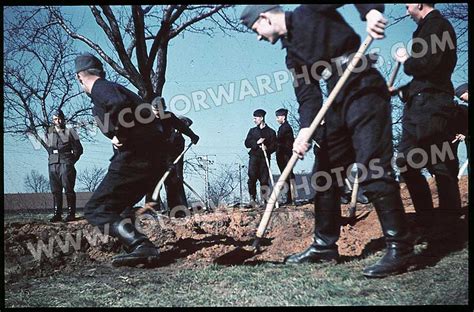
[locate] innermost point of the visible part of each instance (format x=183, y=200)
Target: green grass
x=445, y=283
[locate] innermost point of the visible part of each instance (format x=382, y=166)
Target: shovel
x=240, y=251
x=355, y=190
x=194, y=192
x=294, y=158
x=269, y=170
x=156, y=192
x=353, y=203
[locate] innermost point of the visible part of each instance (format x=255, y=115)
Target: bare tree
x=37, y=79
x=140, y=36
x=35, y=182
x=90, y=178
x=223, y=184
x=457, y=13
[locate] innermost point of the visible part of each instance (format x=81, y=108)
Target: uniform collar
x=433, y=14
x=286, y=40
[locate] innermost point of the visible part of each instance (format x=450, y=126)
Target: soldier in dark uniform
x=64, y=150
x=136, y=134
x=284, y=151
x=174, y=128
x=357, y=125
x=429, y=96
x=262, y=136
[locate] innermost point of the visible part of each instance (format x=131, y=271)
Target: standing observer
x=258, y=138
x=64, y=150
x=285, y=140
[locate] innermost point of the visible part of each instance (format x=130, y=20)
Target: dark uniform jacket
x=64, y=146
x=433, y=69
x=255, y=134
x=172, y=129
x=285, y=139
x=317, y=33
x=115, y=110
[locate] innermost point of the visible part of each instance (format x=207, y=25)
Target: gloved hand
x=195, y=139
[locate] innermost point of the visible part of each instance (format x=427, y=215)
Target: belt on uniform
x=340, y=62
x=57, y=152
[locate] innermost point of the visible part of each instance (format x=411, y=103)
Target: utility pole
x=205, y=158
x=240, y=183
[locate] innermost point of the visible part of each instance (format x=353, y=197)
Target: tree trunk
x=159, y=78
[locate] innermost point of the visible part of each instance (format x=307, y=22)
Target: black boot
x=58, y=208
x=139, y=249
x=71, y=206
x=420, y=195
x=449, y=196
x=399, y=244
x=327, y=213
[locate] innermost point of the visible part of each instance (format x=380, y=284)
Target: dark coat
x=285, y=139
x=173, y=128
x=433, y=69
x=63, y=147
x=317, y=33
x=110, y=101
x=255, y=134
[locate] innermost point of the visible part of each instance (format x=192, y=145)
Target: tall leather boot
x=327, y=213
x=71, y=206
x=139, y=249
x=420, y=195
x=397, y=238
x=58, y=208
x=448, y=194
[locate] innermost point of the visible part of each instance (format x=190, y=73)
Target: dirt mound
x=41, y=248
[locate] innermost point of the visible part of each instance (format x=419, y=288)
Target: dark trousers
x=282, y=161
x=62, y=176
x=425, y=132
x=258, y=170
x=174, y=186
x=358, y=128
x=130, y=176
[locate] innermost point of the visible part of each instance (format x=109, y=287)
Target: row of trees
x=88, y=179
x=222, y=184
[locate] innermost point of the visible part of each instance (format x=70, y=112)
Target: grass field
x=445, y=283
x=77, y=279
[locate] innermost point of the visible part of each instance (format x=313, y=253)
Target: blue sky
x=197, y=63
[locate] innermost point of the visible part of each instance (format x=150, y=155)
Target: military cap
x=259, y=113
x=87, y=61
x=281, y=112
x=59, y=113
x=251, y=13
x=186, y=120
x=461, y=90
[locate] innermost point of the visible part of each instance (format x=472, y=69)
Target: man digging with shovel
x=137, y=161
x=358, y=125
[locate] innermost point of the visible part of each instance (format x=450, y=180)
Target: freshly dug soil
x=199, y=239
